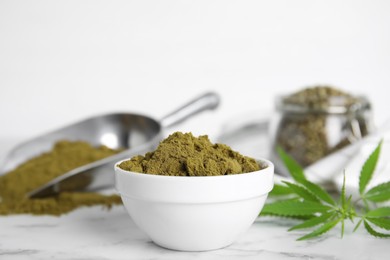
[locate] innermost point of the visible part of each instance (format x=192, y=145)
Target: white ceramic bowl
x=194, y=213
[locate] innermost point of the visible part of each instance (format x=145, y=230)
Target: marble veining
x=94, y=233
x=23, y=252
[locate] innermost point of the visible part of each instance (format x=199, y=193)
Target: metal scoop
x=134, y=133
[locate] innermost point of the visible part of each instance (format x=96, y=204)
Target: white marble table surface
x=95, y=233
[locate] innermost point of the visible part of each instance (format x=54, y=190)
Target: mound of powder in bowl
x=182, y=154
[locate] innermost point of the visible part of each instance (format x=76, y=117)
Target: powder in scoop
x=64, y=156
x=182, y=154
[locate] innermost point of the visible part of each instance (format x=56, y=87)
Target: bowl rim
x=260, y=160
x=195, y=189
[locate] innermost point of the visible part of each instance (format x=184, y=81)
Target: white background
x=62, y=61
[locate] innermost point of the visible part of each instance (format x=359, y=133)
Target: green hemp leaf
x=320, y=211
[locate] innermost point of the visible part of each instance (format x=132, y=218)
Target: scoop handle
x=207, y=101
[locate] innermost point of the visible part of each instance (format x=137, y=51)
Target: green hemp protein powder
x=64, y=156
x=182, y=154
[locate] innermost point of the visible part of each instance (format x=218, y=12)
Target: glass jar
x=309, y=131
